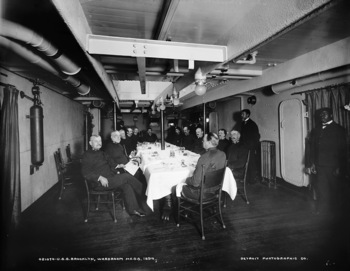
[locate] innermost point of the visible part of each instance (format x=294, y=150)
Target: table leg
x=166, y=208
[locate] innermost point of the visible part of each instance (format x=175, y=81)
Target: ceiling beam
x=168, y=12
x=239, y=72
x=117, y=46
x=88, y=99
x=328, y=57
x=130, y=90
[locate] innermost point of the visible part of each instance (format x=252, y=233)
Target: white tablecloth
x=229, y=185
x=163, y=172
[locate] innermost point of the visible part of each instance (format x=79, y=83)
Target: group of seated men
x=104, y=170
x=130, y=137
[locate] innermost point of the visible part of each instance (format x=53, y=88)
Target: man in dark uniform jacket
x=115, y=150
x=188, y=139
x=137, y=136
x=223, y=141
x=250, y=137
x=328, y=160
x=237, y=154
x=116, y=153
x=198, y=143
x=99, y=170
x=130, y=142
x=213, y=159
x=149, y=136
x=177, y=139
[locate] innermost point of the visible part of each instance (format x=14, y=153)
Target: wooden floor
x=276, y=231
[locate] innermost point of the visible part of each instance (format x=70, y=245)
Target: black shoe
x=137, y=213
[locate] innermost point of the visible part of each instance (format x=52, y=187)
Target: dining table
x=165, y=169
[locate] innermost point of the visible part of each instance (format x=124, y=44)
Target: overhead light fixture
x=162, y=107
x=200, y=88
x=200, y=78
x=175, y=97
x=169, y=101
x=176, y=101
x=160, y=104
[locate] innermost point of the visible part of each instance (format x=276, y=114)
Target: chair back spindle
x=210, y=198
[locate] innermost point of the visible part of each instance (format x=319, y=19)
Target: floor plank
x=276, y=231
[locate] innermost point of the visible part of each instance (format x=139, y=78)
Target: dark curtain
x=10, y=160
x=335, y=97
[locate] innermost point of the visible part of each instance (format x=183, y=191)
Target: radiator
x=268, y=162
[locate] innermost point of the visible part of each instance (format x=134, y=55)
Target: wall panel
x=63, y=124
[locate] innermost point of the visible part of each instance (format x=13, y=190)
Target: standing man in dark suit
x=250, y=137
x=328, y=161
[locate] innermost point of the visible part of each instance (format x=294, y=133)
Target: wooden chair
x=70, y=158
x=60, y=157
x=67, y=167
x=61, y=174
x=209, y=202
x=71, y=167
x=94, y=196
x=241, y=184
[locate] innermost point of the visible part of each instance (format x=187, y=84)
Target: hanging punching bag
x=36, y=130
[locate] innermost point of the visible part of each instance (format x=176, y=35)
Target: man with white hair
x=99, y=170
x=115, y=150
x=237, y=154
x=116, y=153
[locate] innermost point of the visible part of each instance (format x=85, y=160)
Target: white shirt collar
x=327, y=123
